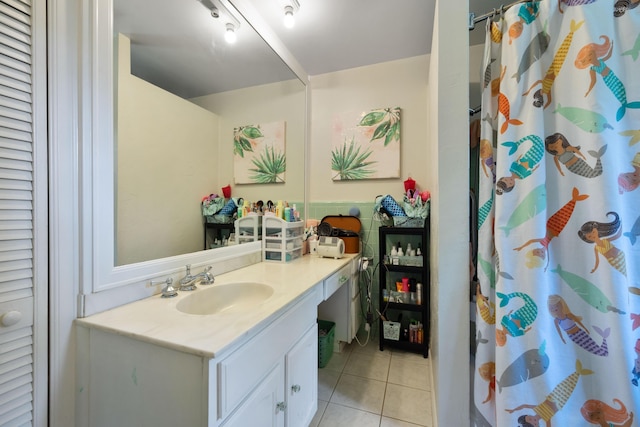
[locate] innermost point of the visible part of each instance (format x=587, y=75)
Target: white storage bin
x=249, y=228
x=281, y=240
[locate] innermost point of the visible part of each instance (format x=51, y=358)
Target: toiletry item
x=406, y=297
x=413, y=332
x=280, y=210
x=399, y=286
x=405, y=284
x=313, y=244
x=419, y=293
x=408, y=248
x=394, y=251
x=287, y=214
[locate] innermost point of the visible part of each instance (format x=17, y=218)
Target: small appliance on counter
x=330, y=247
x=344, y=227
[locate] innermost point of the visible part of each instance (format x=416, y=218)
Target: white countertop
x=156, y=320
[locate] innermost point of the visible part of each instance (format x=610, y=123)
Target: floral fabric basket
x=406, y=221
x=219, y=219
x=417, y=212
x=212, y=206
x=216, y=211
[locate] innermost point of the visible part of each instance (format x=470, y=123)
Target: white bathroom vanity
x=149, y=364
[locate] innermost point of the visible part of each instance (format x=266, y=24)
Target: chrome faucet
x=188, y=282
x=168, y=291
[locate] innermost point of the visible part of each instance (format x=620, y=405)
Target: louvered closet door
x=16, y=215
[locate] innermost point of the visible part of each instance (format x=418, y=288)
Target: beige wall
x=401, y=83
x=167, y=161
x=435, y=153
x=284, y=101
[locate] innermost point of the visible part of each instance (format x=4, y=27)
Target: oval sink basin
x=230, y=298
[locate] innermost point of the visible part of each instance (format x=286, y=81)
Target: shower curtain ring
x=501, y=11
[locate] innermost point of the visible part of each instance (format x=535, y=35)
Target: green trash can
x=326, y=335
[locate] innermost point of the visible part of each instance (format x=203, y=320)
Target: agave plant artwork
x=350, y=163
x=269, y=166
x=386, y=122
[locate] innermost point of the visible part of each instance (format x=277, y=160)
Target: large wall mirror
x=180, y=91
x=227, y=87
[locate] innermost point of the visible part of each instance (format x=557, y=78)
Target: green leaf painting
x=386, y=123
x=269, y=167
x=366, y=145
x=243, y=137
x=259, y=153
x=350, y=163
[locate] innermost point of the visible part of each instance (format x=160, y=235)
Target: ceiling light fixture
x=230, y=34
x=225, y=12
x=289, y=20
x=289, y=10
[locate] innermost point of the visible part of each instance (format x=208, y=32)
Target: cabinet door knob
x=10, y=318
x=280, y=407
x=295, y=388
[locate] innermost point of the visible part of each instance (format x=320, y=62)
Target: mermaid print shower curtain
x=558, y=294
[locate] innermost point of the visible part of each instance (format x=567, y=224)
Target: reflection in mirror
x=180, y=92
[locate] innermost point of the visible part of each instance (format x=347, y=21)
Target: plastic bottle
x=279, y=210
x=419, y=293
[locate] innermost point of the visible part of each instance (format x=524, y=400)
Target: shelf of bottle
x=403, y=306
x=406, y=268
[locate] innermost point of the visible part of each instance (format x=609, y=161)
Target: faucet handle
x=168, y=291
x=207, y=277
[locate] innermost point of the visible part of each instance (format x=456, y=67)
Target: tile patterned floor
x=366, y=387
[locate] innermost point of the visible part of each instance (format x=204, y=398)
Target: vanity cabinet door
x=302, y=380
x=265, y=406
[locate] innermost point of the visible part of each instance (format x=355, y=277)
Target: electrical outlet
x=364, y=263
x=367, y=327
x=369, y=318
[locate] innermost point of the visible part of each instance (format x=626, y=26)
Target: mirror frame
x=105, y=285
